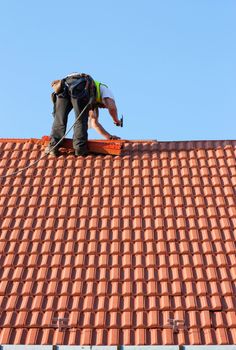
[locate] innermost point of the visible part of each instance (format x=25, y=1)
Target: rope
x=38, y=160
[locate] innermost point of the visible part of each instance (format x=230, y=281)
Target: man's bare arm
x=93, y=115
x=111, y=106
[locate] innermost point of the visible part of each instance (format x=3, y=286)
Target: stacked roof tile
x=135, y=249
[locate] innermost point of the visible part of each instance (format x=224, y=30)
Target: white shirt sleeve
x=106, y=92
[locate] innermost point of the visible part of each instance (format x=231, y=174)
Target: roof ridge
x=47, y=138
x=114, y=147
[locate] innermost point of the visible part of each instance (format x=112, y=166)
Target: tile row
x=121, y=248
x=212, y=264
x=185, y=149
x=210, y=213
x=96, y=222
x=155, y=191
x=143, y=172
x=113, y=237
x=218, y=178
x=115, y=336
x=171, y=149
x=188, y=193
x=145, y=242
x=158, y=203
x=116, y=223
x=121, y=274
x=163, y=159
x=117, y=186
x=200, y=292
x=122, y=319
x=115, y=303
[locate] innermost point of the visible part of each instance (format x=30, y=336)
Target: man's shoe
x=51, y=151
x=81, y=152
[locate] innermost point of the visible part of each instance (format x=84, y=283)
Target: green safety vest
x=98, y=92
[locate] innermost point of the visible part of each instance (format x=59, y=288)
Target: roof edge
x=115, y=146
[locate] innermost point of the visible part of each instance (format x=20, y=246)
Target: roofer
x=78, y=91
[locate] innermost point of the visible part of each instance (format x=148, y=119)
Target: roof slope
x=130, y=249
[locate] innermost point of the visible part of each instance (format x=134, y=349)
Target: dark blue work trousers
x=63, y=105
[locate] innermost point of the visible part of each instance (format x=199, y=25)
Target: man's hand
x=118, y=123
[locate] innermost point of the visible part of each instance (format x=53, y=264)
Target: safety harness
x=72, y=82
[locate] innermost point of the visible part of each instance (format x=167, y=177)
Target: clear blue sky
x=171, y=64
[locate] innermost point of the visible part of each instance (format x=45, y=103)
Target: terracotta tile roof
x=131, y=249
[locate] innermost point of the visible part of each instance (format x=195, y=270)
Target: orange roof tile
x=133, y=249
